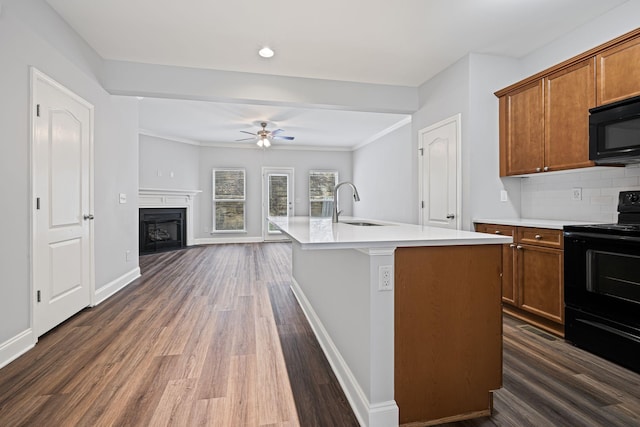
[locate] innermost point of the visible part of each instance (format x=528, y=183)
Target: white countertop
x=531, y=222
x=321, y=233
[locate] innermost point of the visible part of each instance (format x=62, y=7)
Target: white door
x=277, y=199
x=62, y=222
x=440, y=182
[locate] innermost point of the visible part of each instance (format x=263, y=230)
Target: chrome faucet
x=356, y=197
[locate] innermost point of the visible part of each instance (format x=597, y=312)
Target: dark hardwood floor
x=213, y=336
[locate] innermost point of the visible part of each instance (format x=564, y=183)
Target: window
x=321, y=184
x=228, y=200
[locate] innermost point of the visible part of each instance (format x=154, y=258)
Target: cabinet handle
x=498, y=232
x=538, y=237
x=513, y=245
x=538, y=169
x=519, y=247
x=546, y=168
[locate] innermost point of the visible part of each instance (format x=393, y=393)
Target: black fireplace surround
x=162, y=229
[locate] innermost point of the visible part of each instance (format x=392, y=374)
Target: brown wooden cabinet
x=568, y=96
x=507, y=274
x=618, y=72
x=522, y=130
x=532, y=275
x=544, y=119
x=544, y=125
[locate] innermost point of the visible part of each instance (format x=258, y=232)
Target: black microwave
x=614, y=132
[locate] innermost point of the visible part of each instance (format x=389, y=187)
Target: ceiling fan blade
x=250, y=133
x=288, y=138
x=277, y=131
x=245, y=139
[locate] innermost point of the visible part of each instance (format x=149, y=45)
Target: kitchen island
x=409, y=317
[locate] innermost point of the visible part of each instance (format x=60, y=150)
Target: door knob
x=451, y=216
x=86, y=217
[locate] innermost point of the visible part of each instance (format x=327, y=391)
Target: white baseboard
x=222, y=240
x=383, y=414
x=115, y=285
x=15, y=347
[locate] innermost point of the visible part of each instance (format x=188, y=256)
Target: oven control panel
x=629, y=201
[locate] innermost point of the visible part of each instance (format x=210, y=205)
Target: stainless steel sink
x=361, y=223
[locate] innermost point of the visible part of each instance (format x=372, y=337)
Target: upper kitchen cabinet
x=618, y=72
x=544, y=119
x=544, y=125
x=522, y=130
x=568, y=96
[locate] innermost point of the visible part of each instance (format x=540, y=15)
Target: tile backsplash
x=550, y=196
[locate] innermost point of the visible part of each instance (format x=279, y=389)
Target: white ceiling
x=402, y=43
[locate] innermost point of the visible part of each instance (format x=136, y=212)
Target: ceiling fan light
x=260, y=143
x=266, y=52
x=267, y=143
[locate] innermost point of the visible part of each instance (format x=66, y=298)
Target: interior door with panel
x=63, y=209
x=440, y=173
x=277, y=199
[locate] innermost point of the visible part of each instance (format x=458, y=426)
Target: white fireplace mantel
x=170, y=198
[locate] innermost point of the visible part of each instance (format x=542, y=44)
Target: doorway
x=277, y=199
x=440, y=182
x=62, y=214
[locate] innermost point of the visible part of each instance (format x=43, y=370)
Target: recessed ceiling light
x=266, y=52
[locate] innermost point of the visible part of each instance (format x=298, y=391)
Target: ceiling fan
x=264, y=136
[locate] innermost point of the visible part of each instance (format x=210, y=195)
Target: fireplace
x=162, y=229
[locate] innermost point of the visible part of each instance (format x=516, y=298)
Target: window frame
x=215, y=200
x=312, y=200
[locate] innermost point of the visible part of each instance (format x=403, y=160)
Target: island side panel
x=353, y=321
x=448, y=331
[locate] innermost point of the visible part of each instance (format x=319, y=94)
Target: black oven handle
x=581, y=237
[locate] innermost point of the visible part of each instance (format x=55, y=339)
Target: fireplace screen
x=162, y=230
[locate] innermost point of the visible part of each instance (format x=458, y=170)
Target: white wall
x=253, y=159
x=31, y=34
x=160, y=158
x=383, y=172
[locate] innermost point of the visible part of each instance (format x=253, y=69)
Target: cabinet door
x=540, y=278
x=569, y=94
x=508, y=280
x=618, y=72
x=522, y=130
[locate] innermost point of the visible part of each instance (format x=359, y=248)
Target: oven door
x=602, y=275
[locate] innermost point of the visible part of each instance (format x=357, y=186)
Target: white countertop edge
x=408, y=235
x=556, y=224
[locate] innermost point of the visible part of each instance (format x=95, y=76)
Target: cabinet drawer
x=502, y=230
x=540, y=237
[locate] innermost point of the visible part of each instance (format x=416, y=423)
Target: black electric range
x=602, y=285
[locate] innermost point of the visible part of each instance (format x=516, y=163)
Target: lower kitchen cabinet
x=532, y=275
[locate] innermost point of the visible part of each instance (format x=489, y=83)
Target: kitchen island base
x=426, y=352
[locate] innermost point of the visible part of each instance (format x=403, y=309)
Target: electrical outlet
x=503, y=195
x=127, y=256
x=385, y=278
x=576, y=193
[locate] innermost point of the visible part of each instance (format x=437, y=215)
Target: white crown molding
x=251, y=146
x=382, y=133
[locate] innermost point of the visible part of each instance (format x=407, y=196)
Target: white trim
x=458, y=121
x=167, y=191
x=116, y=285
x=222, y=240
x=383, y=414
x=382, y=133
x=243, y=146
x=15, y=347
